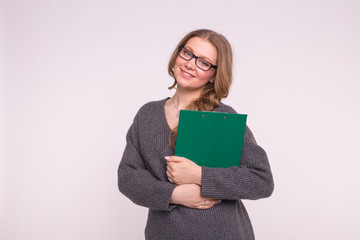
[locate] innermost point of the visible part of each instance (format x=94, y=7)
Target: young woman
x=187, y=201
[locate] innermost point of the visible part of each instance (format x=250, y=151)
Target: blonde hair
x=212, y=93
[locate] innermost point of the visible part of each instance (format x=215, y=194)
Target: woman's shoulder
x=152, y=106
x=224, y=108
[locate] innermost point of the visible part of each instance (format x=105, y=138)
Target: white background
x=74, y=73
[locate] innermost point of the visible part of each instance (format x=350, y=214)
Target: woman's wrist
x=198, y=176
x=173, y=198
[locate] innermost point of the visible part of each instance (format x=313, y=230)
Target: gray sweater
x=142, y=178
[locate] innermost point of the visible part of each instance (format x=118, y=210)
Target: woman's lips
x=186, y=74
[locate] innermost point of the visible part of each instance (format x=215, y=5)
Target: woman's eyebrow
x=188, y=47
x=206, y=58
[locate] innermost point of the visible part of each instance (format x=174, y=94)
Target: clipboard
x=211, y=139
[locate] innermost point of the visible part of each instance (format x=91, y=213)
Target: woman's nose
x=190, y=64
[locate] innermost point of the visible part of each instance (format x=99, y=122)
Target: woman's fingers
x=174, y=159
x=208, y=203
x=170, y=177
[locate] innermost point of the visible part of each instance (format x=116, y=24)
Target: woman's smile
x=186, y=74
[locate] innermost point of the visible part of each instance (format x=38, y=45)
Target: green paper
x=211, y=139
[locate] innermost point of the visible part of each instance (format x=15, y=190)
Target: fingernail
x=167, y=157
x=220, y=201
x=212, y=205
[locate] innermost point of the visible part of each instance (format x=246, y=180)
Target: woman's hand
x=189, y=195
x=181, y=170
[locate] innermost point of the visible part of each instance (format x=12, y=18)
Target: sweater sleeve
x=251, y=180
x=136, y=182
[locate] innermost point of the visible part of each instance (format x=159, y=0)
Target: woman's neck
x=183, y=98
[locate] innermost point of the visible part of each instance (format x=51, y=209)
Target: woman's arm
x=251, y=180
x=136, y=182
x=189, y=195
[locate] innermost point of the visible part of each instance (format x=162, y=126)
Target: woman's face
x=187, y=74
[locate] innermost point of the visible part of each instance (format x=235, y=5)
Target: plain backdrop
x=74, y=73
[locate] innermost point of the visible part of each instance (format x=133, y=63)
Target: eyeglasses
x=201, y=63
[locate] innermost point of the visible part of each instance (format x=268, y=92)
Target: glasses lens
x=203, y=64
x=186, y=54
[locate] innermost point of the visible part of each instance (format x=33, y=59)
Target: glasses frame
x=196, y=59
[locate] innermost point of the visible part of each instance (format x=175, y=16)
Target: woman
x=187, y=201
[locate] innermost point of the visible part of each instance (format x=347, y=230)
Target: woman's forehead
x=202, y=48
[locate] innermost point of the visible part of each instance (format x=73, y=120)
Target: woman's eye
x=204, y=62
x=187, y=53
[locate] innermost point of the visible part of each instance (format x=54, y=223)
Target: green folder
x=211, y=139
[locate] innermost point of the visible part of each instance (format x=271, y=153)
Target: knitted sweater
x=142, y=178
